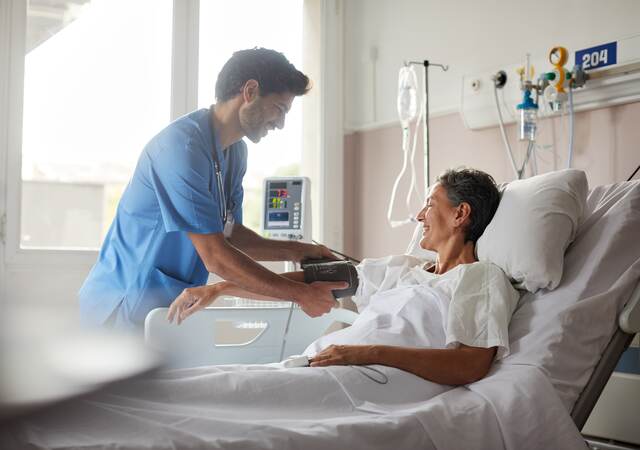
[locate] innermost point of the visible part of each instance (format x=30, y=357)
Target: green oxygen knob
x=549, y=76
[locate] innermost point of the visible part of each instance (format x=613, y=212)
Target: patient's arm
x=455, y=366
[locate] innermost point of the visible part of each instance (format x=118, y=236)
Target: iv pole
x=426, y=65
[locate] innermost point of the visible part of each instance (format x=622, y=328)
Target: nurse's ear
x=250, y=91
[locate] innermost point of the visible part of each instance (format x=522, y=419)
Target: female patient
x=445, y=321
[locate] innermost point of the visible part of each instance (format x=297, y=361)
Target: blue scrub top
x=147, y=258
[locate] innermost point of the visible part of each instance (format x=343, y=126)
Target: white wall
x=469, y=36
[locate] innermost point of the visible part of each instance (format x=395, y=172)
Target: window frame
x=6, y=10
x=323, y=118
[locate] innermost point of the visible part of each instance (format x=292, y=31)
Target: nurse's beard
x=252, y=122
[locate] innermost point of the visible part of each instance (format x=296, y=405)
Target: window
x=97, y=87
x=230, y=26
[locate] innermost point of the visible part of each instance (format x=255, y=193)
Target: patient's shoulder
x=392, y=260
x=485, y=280
x=488, y=267
x=484, y=270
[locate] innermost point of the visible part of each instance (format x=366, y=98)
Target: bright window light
x=229, y=26
x=97, y=88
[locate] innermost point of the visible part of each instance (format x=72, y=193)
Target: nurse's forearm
x=223, y=259
x=228, y=262
x=229, y=288
x=262, y=249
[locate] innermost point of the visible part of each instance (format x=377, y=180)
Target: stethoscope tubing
x=222, y=199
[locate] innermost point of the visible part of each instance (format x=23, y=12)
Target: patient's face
x=437, y=219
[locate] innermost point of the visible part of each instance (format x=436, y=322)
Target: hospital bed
x=564, y=345
x=602, y=268
x=194, y=343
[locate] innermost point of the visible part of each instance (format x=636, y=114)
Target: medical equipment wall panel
x=620, y=83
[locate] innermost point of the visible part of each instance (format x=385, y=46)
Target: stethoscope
x=222, y=199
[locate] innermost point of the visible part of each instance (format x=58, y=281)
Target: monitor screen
x=283, y=204
x=278, y=219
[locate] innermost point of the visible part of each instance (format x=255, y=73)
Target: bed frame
x=628, y=326
x=195, y=343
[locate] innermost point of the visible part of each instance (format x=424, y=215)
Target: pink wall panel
x=607, y=147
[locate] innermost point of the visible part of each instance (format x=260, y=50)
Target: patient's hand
x=335, y=355
x=192, y=300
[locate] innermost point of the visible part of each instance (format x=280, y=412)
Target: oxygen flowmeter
x=287, y=209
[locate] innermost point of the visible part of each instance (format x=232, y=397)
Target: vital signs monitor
x=287, y=209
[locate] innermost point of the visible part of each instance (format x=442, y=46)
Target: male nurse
x=180, y=217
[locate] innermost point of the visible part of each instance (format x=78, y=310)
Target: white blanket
x=265, y=406
x=258, y=407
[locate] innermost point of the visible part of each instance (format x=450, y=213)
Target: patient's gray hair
x=476, y=188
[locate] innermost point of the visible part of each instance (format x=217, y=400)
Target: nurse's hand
x=192, y=300
x=312, y=251
x=316, y=298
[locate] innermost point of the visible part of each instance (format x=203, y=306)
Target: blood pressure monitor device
x=287, y=216
x=328, y=270
x=287, y=209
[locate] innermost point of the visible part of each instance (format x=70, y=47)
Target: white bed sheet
x=258, y=407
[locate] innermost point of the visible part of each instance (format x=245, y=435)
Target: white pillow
x=535, y=222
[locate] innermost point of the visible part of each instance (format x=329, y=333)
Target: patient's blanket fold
x=529, y=412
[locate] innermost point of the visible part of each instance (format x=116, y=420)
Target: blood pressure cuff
x=329, y=270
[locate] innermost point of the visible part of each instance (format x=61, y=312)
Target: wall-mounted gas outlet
x=478, y=107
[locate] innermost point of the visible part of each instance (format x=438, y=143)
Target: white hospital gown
x=402, y=304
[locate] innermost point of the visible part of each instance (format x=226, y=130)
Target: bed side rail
x=194, y=342
x=629, y=320
x=628, y=326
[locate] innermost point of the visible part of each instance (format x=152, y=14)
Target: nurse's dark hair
x=476, y=188
x=271, y=69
